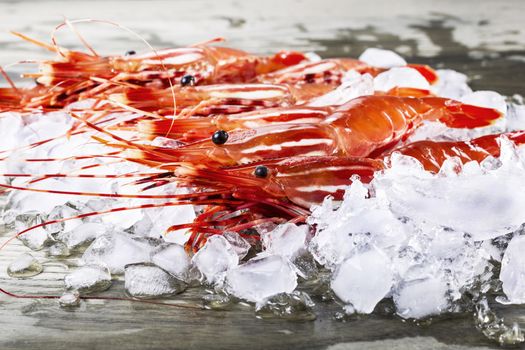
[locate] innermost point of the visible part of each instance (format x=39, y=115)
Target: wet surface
x=485, y=40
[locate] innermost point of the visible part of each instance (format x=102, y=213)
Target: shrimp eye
x=187, y=80
x=130, y=53
x=261, y=171
x=219, y=137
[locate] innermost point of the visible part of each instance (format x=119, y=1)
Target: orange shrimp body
x=226, y=113
x=363, y=127
x=205, y=63
x=219, y=98
x=208, y=99
x=186, y=129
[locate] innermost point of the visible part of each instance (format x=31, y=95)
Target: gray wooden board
x=484, y=39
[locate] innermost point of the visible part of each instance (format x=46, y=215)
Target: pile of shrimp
x=255, y=139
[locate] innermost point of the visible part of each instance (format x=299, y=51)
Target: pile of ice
x=418, y=239
x=423, y=239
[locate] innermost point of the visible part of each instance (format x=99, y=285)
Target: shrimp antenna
x=126, y=29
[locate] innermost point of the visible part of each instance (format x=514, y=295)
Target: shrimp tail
x=456, y=114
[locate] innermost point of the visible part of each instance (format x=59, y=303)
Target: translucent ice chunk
x=69, y=299
x=146, y=280
x=400, y=77
x=83, y=234
x=172, y=258
x=239, y=244
x=288, y=240
x=382, y=58
x=169, y=216
x=451, y=84
x=215, y=258
x=261, y=278
x=58, y=250
x=512, y=273
x=117, y=250
x=24, y=266
x=356, y=223
x=59, y=212
x=89, y=279
x=35, y=239
x=363, y=280
x=421, y=298
x=10, y=125
x=8, y=217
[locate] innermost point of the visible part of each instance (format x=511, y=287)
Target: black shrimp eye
x=219, y=137
x=130, y=53
x=187, y=80
x=261, y=171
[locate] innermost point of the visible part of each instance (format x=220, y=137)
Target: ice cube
x=117, y=250
x=215, y=258
x=24, y=266
x=400, y=77
x=239, y=244
x=169, y=216
x=363, y=280
x=512, y=273
x=83, y=234
x=288, y=240
x=172, y=258
x=422, y=298
x=382, y=58
x=35, y=239
x=8, y=217
x=58, y=250
x=145, y=280
x=10, y=126
x=358, y=222
x=88, y=279
x=69, y=299
x=260, y=278
x=59, y=212
x=451, y=84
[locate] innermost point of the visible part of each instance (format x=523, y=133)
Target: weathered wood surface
x=484, y=39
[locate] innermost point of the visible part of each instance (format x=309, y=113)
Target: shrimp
x=229, y=116
x=203, y=64
x=363, y=127
x=306, y=181
x=207, y=99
